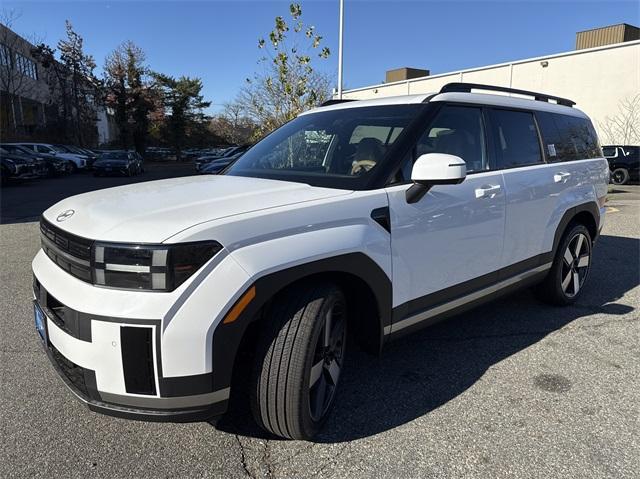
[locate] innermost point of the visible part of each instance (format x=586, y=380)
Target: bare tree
x=13, y=78
x=624, y=127
x=288, y=84
x=233, y=124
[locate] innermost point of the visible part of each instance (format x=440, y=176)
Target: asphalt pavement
x=512, y=389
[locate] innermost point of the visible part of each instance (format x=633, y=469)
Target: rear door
x=532, y=192
x=576, y=169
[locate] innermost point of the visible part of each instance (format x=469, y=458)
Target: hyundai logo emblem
x=64, y=215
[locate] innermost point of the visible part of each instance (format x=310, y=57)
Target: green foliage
x=183, y=109
x=75, y=89
x=130, y=91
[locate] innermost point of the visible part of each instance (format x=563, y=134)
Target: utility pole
x=340, y=50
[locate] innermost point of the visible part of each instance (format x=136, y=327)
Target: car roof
x=488, y=99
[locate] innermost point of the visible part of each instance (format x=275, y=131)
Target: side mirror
x=435, y=169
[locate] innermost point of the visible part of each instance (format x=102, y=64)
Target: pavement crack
x=243, y=458
x=331, y=461
x=266, y=460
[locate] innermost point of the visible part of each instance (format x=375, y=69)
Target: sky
x=217, y=40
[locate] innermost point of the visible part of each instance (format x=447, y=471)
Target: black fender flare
x=227, y=337
x=590, y=207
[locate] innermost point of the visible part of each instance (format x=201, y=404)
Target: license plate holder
x=40, y=322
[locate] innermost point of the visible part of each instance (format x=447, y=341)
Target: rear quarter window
x=568, y=138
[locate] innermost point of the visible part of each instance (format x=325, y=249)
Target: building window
x=26, y=66
x=5, y=55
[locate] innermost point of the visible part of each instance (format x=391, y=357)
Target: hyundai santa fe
x=359, y=219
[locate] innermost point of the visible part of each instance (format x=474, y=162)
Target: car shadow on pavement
x=421, y=372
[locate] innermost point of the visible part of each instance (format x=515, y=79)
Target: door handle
x=487, y=191
x=561, y=177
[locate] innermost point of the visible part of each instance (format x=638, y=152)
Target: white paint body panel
x=448, y=237
x=537, y=198
x=153, y=211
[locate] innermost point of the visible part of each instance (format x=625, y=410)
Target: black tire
x=286, y=399
x=573, y=257
x=620, y=176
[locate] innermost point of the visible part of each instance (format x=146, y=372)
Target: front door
x=449, y=243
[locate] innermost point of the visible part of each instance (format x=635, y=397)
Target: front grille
x=72, y=253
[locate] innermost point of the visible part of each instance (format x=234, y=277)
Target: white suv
x=361, y=219
x=77, y=161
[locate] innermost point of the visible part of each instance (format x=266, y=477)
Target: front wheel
x=620, y=176
x=299, y=360
x=566, y=279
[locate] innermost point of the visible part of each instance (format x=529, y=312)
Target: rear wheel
x=571, y=265
x=620, y=176
x=299, y=360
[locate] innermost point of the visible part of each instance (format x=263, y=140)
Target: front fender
x=360, y=250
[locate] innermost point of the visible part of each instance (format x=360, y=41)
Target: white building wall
x=597, y=79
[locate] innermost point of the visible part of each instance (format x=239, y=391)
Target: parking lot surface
x=512, y=389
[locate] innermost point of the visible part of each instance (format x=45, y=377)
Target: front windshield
x=336, y=148
x=59, y=149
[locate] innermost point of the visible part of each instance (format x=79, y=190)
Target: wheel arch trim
x=227, y=337
x=589, y=207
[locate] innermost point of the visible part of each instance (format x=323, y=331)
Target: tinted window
x=456, y=130
x=609, y=151
x=515, y=138
x=568, y=138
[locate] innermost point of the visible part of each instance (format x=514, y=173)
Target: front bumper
x=113, y=373
x=111, y=170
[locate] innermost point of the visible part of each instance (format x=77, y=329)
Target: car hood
x=153, y=211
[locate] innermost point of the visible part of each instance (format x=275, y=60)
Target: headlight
x=10, y=164
x=149, y=267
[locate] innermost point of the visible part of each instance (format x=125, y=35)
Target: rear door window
x=515, y=138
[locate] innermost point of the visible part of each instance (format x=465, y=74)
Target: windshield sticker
x=552, y=149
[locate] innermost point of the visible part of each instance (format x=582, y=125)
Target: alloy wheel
x=575, y=265
x=327, y=361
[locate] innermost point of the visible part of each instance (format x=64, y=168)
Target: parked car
x=206, y=159
x=88, y=155
x=216, y=166
x=118, y=162
x=624, y=163
x=78, y=162
x=17, y=167
x=363, y=219
x=52, y=165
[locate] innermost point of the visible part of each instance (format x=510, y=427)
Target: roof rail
x=335, y=101
x=467, y=87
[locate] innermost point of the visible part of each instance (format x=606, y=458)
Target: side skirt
x=432, y=315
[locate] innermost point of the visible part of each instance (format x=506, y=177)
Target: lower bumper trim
x=217, y=407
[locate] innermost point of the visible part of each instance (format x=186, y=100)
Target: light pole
x=340, y=50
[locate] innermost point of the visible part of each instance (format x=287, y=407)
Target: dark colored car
x=217, y=166
x=624, y=163
x=203, y=161
x=47, y=165
x=16, y=167
x=118, y=162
